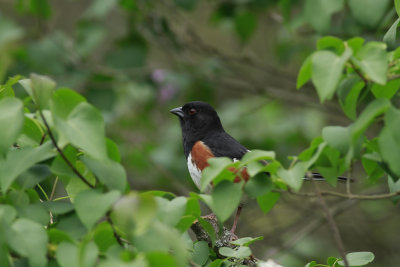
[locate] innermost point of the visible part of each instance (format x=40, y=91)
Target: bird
x=204, y=137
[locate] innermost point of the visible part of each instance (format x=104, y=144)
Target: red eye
x=192, y=111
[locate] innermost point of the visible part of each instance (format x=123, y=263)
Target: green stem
x=43, y=192
x=61, y=198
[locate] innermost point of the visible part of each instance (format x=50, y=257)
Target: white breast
x=195, y=172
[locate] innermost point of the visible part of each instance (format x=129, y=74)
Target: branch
x=337, y=194
x=365, y=80
x=332, y=223
x=297, y=235
x=80, y=176
x=116, y=235
x=223, y=237
x=53, y=140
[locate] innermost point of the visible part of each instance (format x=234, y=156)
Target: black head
x=198, y=119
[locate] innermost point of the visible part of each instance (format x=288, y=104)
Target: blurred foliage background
x=137, y=59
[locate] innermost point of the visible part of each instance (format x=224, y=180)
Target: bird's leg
x=235, y=221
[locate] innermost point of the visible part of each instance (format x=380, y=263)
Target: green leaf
x=309, y=152
x=34, y=175
x=170, y=212
x=311, y=264
x=368, y=12
x=139, y=210
x=42, y=89
x=374, y=109
x=11, y=122
x=348, y=92
x=6, y=90
x=258, y=185
x=294, y=176
x=209, y=229
x=20, y=160
x=31, y=134
x=390, y=36
x=239, y=253
x=268, y=201
x=397, y=5
x=160, y=259
x=216, y=263
x=373, y=61
x=67, y=254
x=29, y=239
x=72, y=226
x=60, y=167
x=200, y=253
x=394, y=186
x=327, y=70
x=216, y=169
x=245, y=25
x=64, y=101
x=193, y=207
x=332, y=261
x=112, y=150
x=91, y=205
x=358, y=258
x=355, y=44
x=185, y=222
x=389, y=138
x=7, y=214
x=84, y=128
x=35, y=212
x=58, y=207
x=164, y=194
x=331, y=43
x=330, y=165
x=318, y=13
x=109, y=172
x=56, y=236
x=256, y=155
x=225, y=199
x=104, y=237
x=372, y=168
x=337, y=137
x=304, y=73
x=386, y=91
x=246, y=241
x=88, y=254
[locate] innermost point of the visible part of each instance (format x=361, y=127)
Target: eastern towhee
x=204, y=138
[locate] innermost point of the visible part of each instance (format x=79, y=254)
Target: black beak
x=178, y=112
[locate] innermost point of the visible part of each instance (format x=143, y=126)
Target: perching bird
x=204, y=138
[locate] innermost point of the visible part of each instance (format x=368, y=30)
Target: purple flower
x=166, y=92
x=159, y=75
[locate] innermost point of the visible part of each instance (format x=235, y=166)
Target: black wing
x=224, y=145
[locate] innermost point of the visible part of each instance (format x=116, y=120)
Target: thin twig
x=349, y=175
x=61, y=198
x=80, y=176
x=365, y=80
x=116, y=235
x=393, y=77
x=42, y=139
x=331, y=222
x=54, y=188
x=43, y=192
x=297, y=235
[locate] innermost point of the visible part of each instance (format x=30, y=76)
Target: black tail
x=318, y=177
